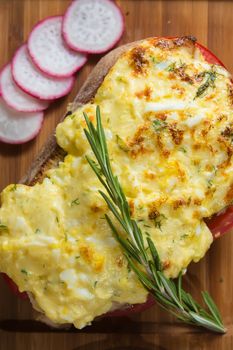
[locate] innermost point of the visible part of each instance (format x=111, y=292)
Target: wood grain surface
x=211, y=23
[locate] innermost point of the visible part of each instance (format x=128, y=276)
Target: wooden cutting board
x=211, y=23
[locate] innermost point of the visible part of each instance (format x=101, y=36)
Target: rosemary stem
x=144, y=260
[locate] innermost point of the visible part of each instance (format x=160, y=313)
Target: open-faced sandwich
x=166, y=111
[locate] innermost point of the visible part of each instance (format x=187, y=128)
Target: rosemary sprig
x=139, y=249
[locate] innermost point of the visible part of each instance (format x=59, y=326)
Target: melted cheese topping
x=170, y=142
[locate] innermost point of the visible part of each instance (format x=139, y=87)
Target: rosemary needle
x=139, y=249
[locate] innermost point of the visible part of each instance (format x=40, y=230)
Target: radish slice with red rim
x=17, y=127
x=93, y=26
x=50, y=53
x=15, y=97
x=31, y=80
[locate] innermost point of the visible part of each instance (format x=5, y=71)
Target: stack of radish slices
x=43, y=69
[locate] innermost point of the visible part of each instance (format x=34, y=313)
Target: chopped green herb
x=215, y=169
x=171, y=67
x=210, y=183
x=210, y=82
x=95, y=284
x=158, y=225
x=120, y=79
x=122, y=144
x=13, y=188
x=147, y=226
x=182, y=149
x=158, y=221
x=3, y=227
x=24, y=271
x=159, y=125
x=154, y=60
x=77, y=257
x=182, y=64
x=66, y=236
x=185, y=235
x=75, y=202
x=72, y=116
x=57, y=219
x=37, y=231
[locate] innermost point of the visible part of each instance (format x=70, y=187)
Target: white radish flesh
x=50, y=53
x=15, y=97
x=17, y=127
x=93, y=26
x=31, y=80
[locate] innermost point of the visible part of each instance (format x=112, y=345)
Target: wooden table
x=211, y=22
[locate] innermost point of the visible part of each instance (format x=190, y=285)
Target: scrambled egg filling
x=168, y=119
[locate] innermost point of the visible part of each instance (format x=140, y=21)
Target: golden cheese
x=168, y=119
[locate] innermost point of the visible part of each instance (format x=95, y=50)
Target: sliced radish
x=92, y=26
x=15, y=97
x=49, y=51
x=31, y=80
x=17, y=127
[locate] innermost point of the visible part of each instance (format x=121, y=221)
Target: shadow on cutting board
x=133, y=343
